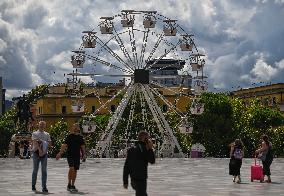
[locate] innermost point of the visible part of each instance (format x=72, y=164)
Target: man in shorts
x=74, y=143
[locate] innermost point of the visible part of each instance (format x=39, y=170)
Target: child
x=236, y=155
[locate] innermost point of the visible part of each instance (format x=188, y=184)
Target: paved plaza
x=168, y=177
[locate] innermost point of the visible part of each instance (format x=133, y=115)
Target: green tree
x=214, y=128
x=7, y=129
x=58, y=133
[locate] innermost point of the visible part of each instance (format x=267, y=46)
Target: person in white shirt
x=40, y=141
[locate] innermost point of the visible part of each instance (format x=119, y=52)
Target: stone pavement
x=168, y=177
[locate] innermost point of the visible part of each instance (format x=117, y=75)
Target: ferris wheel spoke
x=157, y=60
x=162, y=117
x=97, y=59
x=169, y=104
x=115, y=55
x=122, y=48
x=144, y=44
x=133, y=46
x=113, y=97
x=142, y=105
x=107, y=135
x=153, y=111
x=132, y=110
x=155, y=47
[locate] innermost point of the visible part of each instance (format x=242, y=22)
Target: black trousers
x=266, y=167
x=140, y=187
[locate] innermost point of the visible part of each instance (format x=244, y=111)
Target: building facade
x=165, y=72
x=59, y=103
x=269, y=95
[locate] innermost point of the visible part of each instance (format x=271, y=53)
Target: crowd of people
x=137, y=158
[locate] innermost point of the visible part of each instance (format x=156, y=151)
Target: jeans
x=140, y=187
x=36, y=161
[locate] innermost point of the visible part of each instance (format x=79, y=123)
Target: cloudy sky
x=243, y=40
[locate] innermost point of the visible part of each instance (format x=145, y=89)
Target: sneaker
x=44, y=190
x=33, y=188
x=69, y=187
x=239, y=181
x=73, y=189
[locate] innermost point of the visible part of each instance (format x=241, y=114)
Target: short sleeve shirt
x=74, y=143
x=41, y=135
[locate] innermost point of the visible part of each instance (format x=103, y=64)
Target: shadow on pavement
x=41, y=193
x=78, y=193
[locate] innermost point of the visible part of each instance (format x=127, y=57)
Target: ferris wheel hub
x=141, y=76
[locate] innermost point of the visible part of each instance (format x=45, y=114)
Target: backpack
x=238, y=153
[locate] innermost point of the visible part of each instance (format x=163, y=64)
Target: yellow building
x=269, y=95
x=57, y=104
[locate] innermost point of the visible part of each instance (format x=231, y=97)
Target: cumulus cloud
x=242, y=39
x=262, y=71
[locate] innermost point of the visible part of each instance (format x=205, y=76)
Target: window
x=165, y=108
x=112, y=108
x=63, y=109
x=39, y=110
x=93, y=109
x=274, y=102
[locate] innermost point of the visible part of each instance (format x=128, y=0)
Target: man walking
x=136, y=164
x=74, y=143
x=40, y=141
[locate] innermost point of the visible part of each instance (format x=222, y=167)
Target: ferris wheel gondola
x=185, y=126
x=127, y=18
x=89, y=39
x=149, y=19
x=106, y=25
x=78, y=59
x=187, y=43
x=88, y=124
x=170, y=28
x=197, y=107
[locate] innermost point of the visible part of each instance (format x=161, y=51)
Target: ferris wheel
x=150, y=52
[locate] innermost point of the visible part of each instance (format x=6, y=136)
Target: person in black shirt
x=74, y=143
x=136, y=164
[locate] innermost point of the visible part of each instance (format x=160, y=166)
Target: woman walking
x=236, y=155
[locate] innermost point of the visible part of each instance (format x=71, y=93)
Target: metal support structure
x=157, y=60
x=123, y=49
x=113, y=122
x=115, y=55
x=131, y=64
x=144, y=44
x=166, y=124
x=155, y=47
x=132, y=110
x=169, y=104
x=107, y=63
x=154, y=113
x=133, y=46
